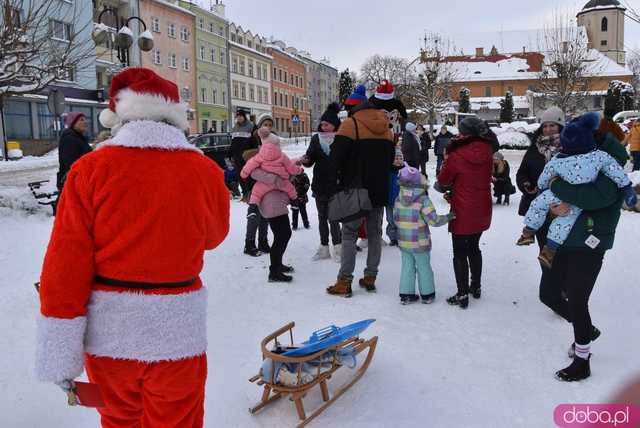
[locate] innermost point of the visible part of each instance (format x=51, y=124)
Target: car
x=215, y=146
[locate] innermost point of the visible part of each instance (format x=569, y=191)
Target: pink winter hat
x=410, y=176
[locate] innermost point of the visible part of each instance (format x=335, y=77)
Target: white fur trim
x=384, y=97
x=59, y=348
x=131, y=105
x=108, y=119
x=145, y=327
x=147, y=134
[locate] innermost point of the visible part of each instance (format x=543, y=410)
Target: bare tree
x=39, y=44
x=633, y=62
x=568, y=64
x=432, y=91
x=399, y=71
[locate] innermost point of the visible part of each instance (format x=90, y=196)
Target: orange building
x=289, y=91
x=173, y=54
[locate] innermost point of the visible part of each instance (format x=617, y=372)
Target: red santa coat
x=143, y=208
x=467, y=171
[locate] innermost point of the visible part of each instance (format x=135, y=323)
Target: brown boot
x=368, y=283
x=341, y=288
x=528, y=237
x=546, y=257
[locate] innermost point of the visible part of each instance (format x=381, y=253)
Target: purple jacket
x=275, y=203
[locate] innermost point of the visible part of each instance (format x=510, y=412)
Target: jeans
x=392, y=229
x=467, y=258
x=349, y=238
x=281, y=236
x=576, y=272
x=416, y=263
x=302, y=210
x=256, y=223
x=635, y=156
x=325, y=226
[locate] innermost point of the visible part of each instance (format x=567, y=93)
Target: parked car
x=215, y=146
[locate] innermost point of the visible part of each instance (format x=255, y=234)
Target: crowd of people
x=571, y=180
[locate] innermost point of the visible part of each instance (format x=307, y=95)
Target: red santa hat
x=385, y=91
x=140, y=94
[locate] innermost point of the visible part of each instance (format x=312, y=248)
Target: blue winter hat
x=578, y=136
x=358, y=96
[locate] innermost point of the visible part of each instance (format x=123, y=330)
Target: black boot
x=276, y=275
x=595, y=334
x=264, y=248
x=406, y=299
x=251, y=250
x=461, y=270
x=578, y=370
x=287, y=269
x=461, y=300
x=506, y=200
x=499, y=200
x=475, y=266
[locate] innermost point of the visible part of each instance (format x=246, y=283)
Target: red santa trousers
x=166, y=394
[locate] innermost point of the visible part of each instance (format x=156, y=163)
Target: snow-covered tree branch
x=399, y=71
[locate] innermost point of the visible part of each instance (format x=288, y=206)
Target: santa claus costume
x=120, y=290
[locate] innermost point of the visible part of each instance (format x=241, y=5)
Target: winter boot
x=393, y=243
x=406, y=299
x=287, y=269
x=546, y=257
x=595, y=333
x=264, y=248
x=461, y=300
x=277, y=275
x=428, y=298
x=322, y=253
x=578, y=370
x=499, y=200
x=341, y=288
x=368, y=283
x=251, y=250
x=528, y=237
x=337, y=253
x=506, y=200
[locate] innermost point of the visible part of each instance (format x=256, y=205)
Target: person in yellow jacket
x=633, y=141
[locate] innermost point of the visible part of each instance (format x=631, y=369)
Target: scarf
x=326, y=139
x=548, y=146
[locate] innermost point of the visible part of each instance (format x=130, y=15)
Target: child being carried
x=577, y=163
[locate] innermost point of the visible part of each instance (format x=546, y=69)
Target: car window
x=201, y=142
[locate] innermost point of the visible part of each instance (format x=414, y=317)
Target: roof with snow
x=602, y=4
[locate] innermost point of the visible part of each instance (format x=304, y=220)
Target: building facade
x=173, y=54
x=250, y=66
x=322, y=86
x=289, y=91
x=604, y=22
x=212, y=67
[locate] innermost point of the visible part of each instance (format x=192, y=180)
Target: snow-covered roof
x=519, y=102
x=601, y=4
x=247, y=48
x=175, y=7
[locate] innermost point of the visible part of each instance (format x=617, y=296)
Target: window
x=233, y=37
x=203, y=95
x=186, y=94
x=604, y=25
x=184, y=34
x=242, y=66
x=275, y=98
x=286, y=100
x=205, y=127
x=202, y=53
x=18, y=119
x=155, y=25
x=213, y=54
x=156, y=56
x=252, y=93
x=240, y=40
x=60, y=30
x=597, y=102
x=171, y=31
x=211, y=27
x=214, y=96
x=250, y=68
x=224, y=96
x=235, y=90
x=221, y=31
x=201, y=23
x=243, y=92
x=487, y=91
x=275, y=72
x=603, y=43
x=186, y=64
x=67, y=73
x=172, y=60
x=280, y=75
x=291, y=79
x=285, y=77
x=222, y=56
x=281, y=103
x=296, y=80
x=234, y=64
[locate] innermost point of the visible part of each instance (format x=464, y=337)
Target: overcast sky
x=349, y=31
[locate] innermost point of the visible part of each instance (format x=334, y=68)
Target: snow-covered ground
x=436, y=366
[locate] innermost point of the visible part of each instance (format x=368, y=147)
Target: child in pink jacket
x=271, y=159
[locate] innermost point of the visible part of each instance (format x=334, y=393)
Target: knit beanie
x=264, y=117
x=578, y=136
x=72, y=118
x=331, y=115
x=358, y=96
x=410, y=127
x=473, y=126
x=410, y=176
x=553, y=115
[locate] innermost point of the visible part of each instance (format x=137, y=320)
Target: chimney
x=524, y=49
x=479, y=52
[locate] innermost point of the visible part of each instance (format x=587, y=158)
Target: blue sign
x=295, y=118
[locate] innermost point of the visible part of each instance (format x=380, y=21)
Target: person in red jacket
x=466, y=173
x=120, y=291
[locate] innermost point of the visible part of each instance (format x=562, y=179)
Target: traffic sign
x=55, y=102
x=295, y=118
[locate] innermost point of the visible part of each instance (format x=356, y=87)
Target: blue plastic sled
x=329, y=336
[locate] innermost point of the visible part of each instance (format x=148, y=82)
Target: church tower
x=604, y=22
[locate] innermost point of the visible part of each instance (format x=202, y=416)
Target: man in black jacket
x=442, y=142
x=73, y=145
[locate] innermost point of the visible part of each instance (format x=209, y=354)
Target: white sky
x=349, y=31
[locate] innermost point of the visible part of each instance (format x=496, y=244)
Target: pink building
x=173, y=53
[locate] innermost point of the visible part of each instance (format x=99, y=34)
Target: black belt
x=143, y=285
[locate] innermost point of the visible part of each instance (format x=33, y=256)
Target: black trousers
x=467, y=258
x=325, y=226
x=576, y=272
x=423, y=166
x=281, y=236
x=256, y=224
x=302, y=209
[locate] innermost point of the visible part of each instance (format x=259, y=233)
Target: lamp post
x=124, y=39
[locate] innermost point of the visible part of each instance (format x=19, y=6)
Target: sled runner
x=293, y=370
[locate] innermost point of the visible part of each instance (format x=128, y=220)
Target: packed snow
x=436, y=366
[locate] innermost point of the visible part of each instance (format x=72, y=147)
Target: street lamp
x=124, y=38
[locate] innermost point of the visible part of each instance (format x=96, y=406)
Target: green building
x=212, y=67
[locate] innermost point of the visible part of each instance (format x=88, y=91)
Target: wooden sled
x=273, y=392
